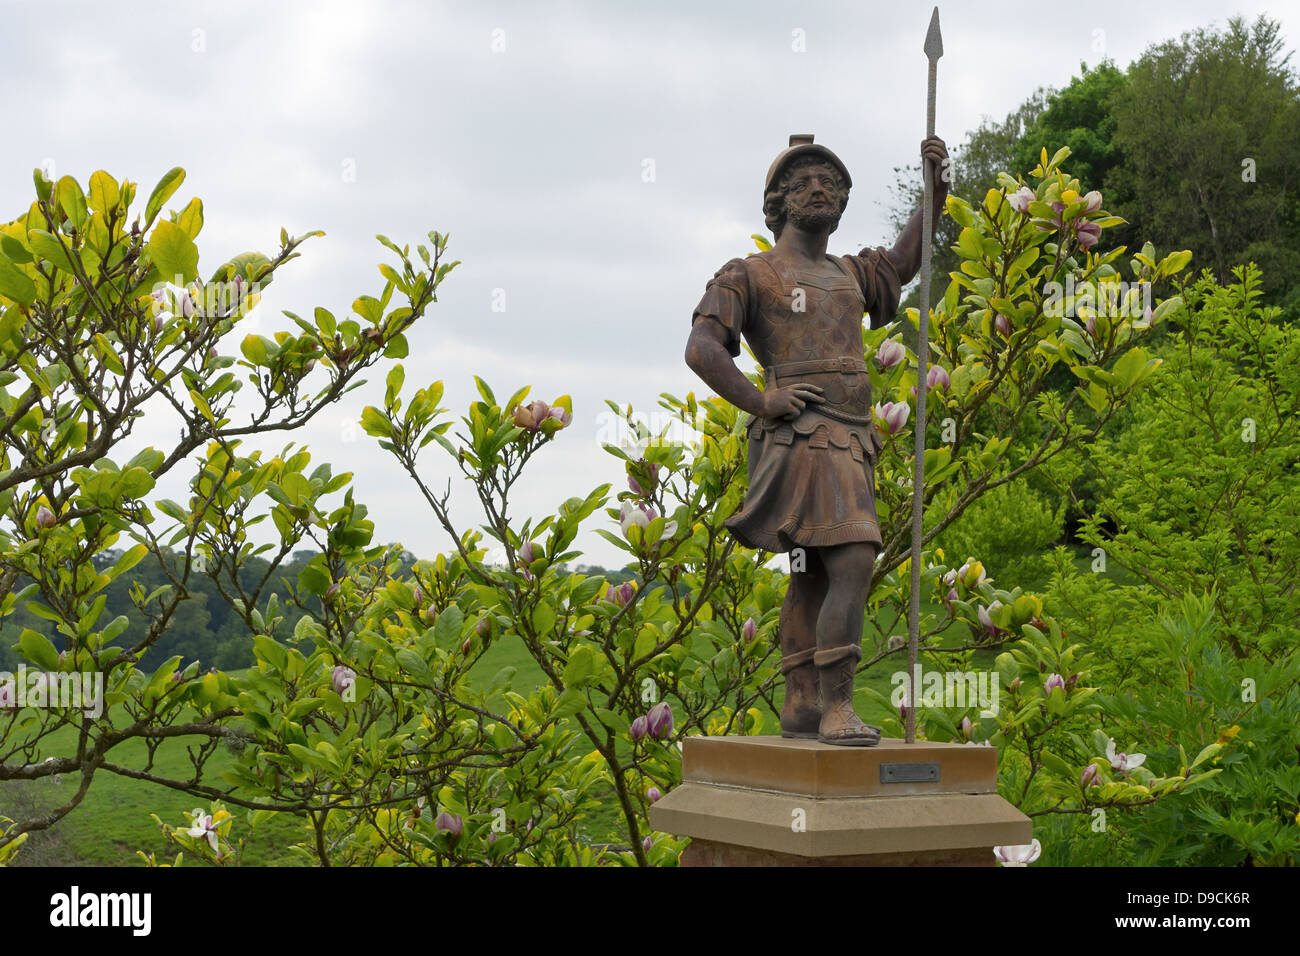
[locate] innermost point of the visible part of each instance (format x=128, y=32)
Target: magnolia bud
x=639, y=728
x=449, y=822
x=483, y=628
x=646, y=844
x=418, y=598
x=45, y=518
x=653, y=795
x=659, y=720
x=1002, y=324
x=749, y=630
x=1056, y=680
x=889, y=353
x=466, y=647
x=967, y=729
x=1089, y=776
x=332, y=592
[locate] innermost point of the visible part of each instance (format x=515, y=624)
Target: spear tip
x=933, y=39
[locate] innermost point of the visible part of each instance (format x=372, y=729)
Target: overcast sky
x=596, y=162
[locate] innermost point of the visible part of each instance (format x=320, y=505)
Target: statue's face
x=812, y=200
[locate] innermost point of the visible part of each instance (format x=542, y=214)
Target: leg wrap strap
x=798, y=659
x=833, y=655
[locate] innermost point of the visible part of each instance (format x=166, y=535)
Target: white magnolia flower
x=1021, y=855
x=203, y=828
x=1121, y=761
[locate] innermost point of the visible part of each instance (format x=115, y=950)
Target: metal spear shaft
x=933, y=50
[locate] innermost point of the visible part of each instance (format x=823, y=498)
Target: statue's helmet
x=801, y=145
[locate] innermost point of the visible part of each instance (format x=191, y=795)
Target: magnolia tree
x=102, y=313
x=375, y=722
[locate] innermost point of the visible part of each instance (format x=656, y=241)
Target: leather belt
x=848, y=365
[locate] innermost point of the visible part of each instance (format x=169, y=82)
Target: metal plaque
x=913, y=771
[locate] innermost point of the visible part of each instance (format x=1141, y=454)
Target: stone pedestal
x=769, y=801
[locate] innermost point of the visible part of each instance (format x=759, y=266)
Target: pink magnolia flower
x=654, y=795
x=560, y=415
x=342, y=679
x=1002, y=324
x=1048, y=225
x=893, y=414
x=202, y=828
x=1087, y=233
x=1021, y=198
x=1089, y=776
x=1094, y=201
x=1018, y=855
x=45, y=518
x=642, y=514
x=1056, y=680
x=889, y=353
x=1123, y=762
x=937, y=377
x=749, y=630
x=523, y=417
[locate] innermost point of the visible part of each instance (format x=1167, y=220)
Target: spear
x=933, y=50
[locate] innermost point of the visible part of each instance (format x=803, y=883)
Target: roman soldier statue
x=812, y=442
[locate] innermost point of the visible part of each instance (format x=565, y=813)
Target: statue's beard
x=812, y=220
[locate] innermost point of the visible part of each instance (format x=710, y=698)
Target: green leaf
x=49, y=248
x=173, y=253
x=1166, y=308
x=15, y=284
x=36, y=647
x=397, y=347
x=581, y=666
x=104, y=195
x=170, y=182
x=191, y=218
x=72, y=201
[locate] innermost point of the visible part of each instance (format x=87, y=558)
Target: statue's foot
x=840, y=724
x=801, y=723
x=846, y=729
x=801, y=715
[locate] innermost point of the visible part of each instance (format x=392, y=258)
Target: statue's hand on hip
x=789, y=401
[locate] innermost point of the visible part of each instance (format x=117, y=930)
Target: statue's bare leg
x=839, y=642
x=802, y=713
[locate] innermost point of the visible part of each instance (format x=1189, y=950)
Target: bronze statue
x=812, y=441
